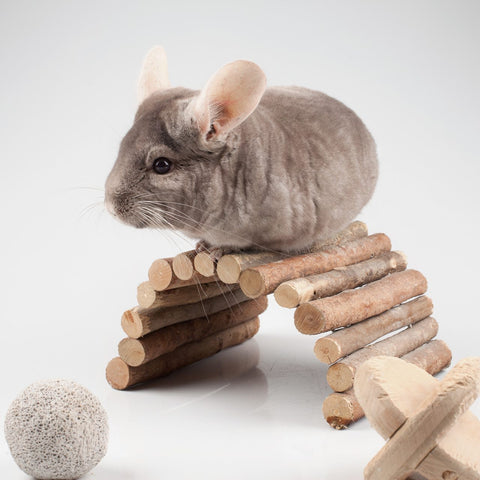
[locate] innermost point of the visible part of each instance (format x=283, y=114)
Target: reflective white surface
x=410, y=70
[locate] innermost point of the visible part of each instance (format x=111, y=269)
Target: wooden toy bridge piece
x=429, y=430
x=353, y=284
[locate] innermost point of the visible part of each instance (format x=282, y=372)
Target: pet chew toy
x=56, y=429
x=353, y=284
x=425, y=421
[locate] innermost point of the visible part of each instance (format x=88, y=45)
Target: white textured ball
x=56, y=429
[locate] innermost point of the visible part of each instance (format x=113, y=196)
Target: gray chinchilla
x=238, y=165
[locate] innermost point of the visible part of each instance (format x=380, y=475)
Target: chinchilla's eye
x=162, y=165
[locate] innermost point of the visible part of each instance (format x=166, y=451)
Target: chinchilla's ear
x=229, y=97
x=154, y=74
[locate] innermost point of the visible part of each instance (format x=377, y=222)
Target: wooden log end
x=308, y=319
x=340, y=377
x=160, y=274
x=131, y=324
x=286, y=295
x=118, y=374
x=131, y=351
x=204, y=264
x=340, y=410
x=327, y=350
x=146, y=295
x=252, y=283
x=229, y=269
x=182, y=266
x=293, y=293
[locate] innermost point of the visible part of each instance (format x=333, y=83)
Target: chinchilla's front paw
x=215, y=253
x=202, y=246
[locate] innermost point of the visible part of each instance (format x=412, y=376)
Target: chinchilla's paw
x=202, y=246
x=215, y=253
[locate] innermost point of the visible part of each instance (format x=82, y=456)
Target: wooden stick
x=182, y=265
x=162, y=278
x=147, y=297
x=136, y=352
x=138, y=322
x=340, y=375
x=230, y=267
x=347, y=340
x=301, y=290
x=160, y=273
x=421, y=432
x=342, y=409
x=353, y=306
x=121, y=376
x=264, y=279
x=205, y=264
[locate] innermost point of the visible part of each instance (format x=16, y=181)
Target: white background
x=410, y=69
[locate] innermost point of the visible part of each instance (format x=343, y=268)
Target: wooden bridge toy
x=430, y=432
x=351, y=290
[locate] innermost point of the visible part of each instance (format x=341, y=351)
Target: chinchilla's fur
x=295, y=170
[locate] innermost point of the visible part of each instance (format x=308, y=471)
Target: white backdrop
x=410, y=69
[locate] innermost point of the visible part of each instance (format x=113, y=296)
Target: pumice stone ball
x=56, y=429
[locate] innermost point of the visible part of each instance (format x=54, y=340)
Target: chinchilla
x=238, y=165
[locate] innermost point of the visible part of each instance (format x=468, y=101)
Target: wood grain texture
x=341, y=375
x=292, y=293
x=182, y=265
x=420, y=434
x=121, y=376
x=136, y=352
x=342, y=409
x=264, y=279
x=347, y=340
x=138, y=322
x=147, y=297
x=230, y=266
x=353, y=306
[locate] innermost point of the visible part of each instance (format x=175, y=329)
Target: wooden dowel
x=342, y=409
x=432, y=357
x=353, y=306
x=340, y=375
x=121, y=376
x=301, y=290
x=162, y=278
x=230, y=267
x=342, y=342
x=264, y=279
x=205, y=264
x=421, y=433
x=138, y=322
x=182, y=265
x=147, y=297
x=160, y=273
x=136, y=352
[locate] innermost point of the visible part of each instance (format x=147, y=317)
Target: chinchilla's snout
x=119, y=203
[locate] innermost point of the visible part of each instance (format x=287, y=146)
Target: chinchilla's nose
x=112, y=193
x=109, y=206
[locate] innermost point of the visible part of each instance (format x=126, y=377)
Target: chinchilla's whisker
x=90, y=207
x=220, y=230
x=157, y=220
x=187, y=220
x=148, y=219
